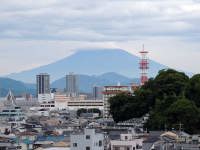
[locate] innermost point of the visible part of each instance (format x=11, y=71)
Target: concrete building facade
x=87, y=140
x=97, y=92
x=61, y=101
x=72, y=85
x=43, y=83
x=127, y=142
x=43, y=88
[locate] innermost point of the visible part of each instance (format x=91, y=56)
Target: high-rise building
x=72, y=85
x=43, y=83
x=97, y=92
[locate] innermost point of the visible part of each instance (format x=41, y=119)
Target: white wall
x=124, y=143
x=82, y=142
x=44, y=97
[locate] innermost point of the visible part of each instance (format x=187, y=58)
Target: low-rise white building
x=61, y=101
x=48, y=105
x=10, y=112
x=45, y=97
x=127, y=142
x=86, y=104
x=87, y=140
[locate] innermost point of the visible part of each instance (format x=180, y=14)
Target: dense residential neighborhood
x=119, y=117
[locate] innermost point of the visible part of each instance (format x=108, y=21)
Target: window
x=5, y=111
x=138, y=146
x=100, y=143
x=74, y=144
x=87, y=137
x=116, y=148
x=87, y=148
x=126, y=137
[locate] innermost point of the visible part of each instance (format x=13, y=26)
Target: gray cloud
x=42, y=31
x=105, y=20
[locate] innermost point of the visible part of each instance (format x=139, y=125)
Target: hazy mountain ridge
x=17, y=87
x=91, y=62
x=86, y=82
x=98, y=67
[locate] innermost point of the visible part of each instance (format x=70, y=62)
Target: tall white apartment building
x=72, y=85
x=43, y=87
x=43, y=83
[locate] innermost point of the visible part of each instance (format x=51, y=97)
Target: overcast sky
x=38, y=32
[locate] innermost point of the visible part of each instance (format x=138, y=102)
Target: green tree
x=157, y=120
x=124, y=107
x=193, y=89
x=170, y=98
x=91, y=110
x=170, y=82
x=117, y=104
x=80, y=111
x=184, y=111
x=94, y=110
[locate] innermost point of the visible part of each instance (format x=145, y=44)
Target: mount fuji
x=91, y=62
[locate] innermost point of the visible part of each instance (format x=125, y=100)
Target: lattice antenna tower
x=144, y=66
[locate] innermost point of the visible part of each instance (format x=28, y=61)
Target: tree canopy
x=124, y=107
x=185, y=112
x=91, y=110
x=170, y=98
x=193, y=89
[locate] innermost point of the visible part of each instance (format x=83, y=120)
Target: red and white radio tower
x=144, y=66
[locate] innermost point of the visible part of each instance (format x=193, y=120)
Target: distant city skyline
x=35, y=33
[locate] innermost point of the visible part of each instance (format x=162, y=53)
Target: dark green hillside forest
x=170, y=98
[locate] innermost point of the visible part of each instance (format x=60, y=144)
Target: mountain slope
x=91, y=62
x=86, y=82
x=17, y=87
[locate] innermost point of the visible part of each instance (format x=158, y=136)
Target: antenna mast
x=144, y=66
